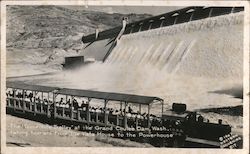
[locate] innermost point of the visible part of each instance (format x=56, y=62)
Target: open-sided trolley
x=84, y=113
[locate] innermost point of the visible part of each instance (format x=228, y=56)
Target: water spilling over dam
x=208, y=47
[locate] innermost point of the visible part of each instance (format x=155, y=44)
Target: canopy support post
x=162, y=104
x=54, y=104
x=34, y=101
x=140, y=108
x=24, y=104
x=72, y=108
x=105, y=115
x=121, y=107
x=14, y=95
x=41, y=103
x=125, y=115
x=148, y=116
x=48, y=108
x=87, y=109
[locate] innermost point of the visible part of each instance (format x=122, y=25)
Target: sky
x=153, y=10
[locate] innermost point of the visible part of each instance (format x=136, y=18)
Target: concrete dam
x=195, y=40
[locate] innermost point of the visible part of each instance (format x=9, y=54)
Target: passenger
x=13, y=93
x=93, y=109
x=25, y=94
x=130, y=110
x=116, y=112
x=30, y=96
x=111, y=111
x=75, y=104
x=66, y=105
x=61, y=101
x=134, y=115
x=139, y=116
x=39, y=100
x=83, y=107
x=83, y=103
x=45, y=101
x=98, y=110
x=90, y=109
x=19, y=95
x=121, y=113
x=200, y=119
x=9, y=94
x=128, y=115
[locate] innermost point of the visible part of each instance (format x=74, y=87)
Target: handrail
x=181, y=16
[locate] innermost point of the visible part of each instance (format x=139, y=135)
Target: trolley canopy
x=18, y=85
x=146, y=100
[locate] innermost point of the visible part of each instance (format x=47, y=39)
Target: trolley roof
x=18, y=85
x=146, y=100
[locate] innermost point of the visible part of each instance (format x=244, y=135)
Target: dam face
x=208, y=47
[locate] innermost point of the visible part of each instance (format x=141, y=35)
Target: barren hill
x=39, y=37
x=49, y=26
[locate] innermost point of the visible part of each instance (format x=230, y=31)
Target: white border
x=116, y=150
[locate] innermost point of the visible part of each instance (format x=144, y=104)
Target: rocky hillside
x=56, y=27
x=39, y=37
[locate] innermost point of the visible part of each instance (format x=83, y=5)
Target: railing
x=167, y=19
x=66, y=113
x=27, y=106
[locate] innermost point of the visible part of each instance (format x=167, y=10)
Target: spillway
x=209, y=47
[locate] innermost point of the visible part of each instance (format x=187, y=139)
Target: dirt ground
x=25, y=133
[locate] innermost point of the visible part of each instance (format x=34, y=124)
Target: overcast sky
x=154, y=10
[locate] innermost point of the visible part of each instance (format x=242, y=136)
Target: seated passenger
x=130, y=110
x=111, y=111
x=9, y=94
x=98, y=110
x=38, y=99
x=25, y=94
x=128, y=115
x=75, y=104
x=121, y=113
x=45, y=101
x=134, y=115
x=93, y=109
x=30, y=96
x=19, y=95
x=61, y=101
x=139, y=116
x=13, y=93
x=83, y=107
x=116, y=112
x=66, y=105
x=200, y=119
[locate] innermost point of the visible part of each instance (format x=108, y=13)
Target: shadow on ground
x=236, y=92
